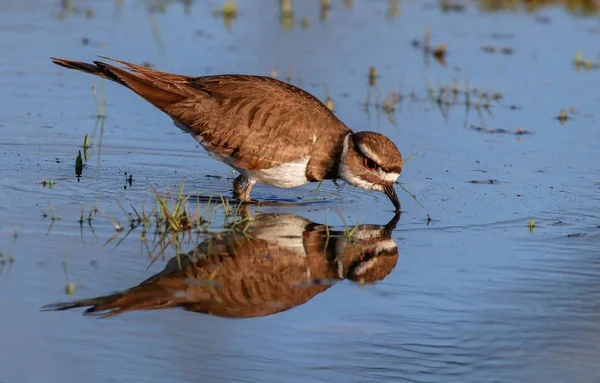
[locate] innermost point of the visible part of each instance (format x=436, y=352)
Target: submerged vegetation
x=171, y=220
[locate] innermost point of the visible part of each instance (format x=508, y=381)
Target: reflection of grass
x=89, y=144
x=228, y=12
x=372, y=75
x=324, y=10
x=70, y=287
x=443, y=96
x=439, y=52
x=53, y=216
x=328, y=100
x=100, y=104
x=566, y=114
x=93, y=211
x=531, y=225
x=583, y=7
x=393, y=9
x=286, y=16
x=348, y=230
x=172, y=222
x=6, y=260
x=67, y=9
x=100, y=116
x=156, y=33
x=581, y=62
x=387, y=105
x=50, y=183
x=85, y=147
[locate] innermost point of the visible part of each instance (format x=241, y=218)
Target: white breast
x=288, y=175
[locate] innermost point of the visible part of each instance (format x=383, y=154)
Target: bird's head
x=371, y=161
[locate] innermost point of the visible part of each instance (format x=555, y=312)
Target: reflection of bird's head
x=374, y=264
x=369, y=253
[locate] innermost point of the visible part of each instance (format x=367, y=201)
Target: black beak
x=391, y=193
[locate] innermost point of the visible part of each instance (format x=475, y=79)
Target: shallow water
x=474, y=294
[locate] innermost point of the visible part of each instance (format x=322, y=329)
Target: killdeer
x=281, y=261
x=271, y=132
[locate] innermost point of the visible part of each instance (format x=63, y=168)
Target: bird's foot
x=245, y=194
x=240, y=191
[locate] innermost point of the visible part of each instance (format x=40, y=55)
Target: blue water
x=474, y=296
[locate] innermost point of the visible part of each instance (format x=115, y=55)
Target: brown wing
x=257, y=279
x=251, y=118
x=238, y=277
x=247, y=118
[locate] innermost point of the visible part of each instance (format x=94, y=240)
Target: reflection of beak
x=391, y=226
x=391, y=193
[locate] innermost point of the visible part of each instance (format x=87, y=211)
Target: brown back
x=247, y=118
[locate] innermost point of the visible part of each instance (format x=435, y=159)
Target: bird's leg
x=240, y=192
x=238, y=186
x=245, y=195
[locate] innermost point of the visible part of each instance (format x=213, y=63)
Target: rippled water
x=465, y=291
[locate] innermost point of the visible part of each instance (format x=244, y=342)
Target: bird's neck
x=326, y=157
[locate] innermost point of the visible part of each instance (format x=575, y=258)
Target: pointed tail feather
x=119, y=303
x=151, y=85
x=80, y=66
x=104, y=306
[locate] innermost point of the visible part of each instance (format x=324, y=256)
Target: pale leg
x=242, y=192
x=245, y=195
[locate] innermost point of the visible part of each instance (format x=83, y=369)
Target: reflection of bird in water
x=280, y=262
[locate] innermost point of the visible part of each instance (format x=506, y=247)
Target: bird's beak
x=391, y=193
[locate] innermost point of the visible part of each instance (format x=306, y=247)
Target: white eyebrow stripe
x=369, y=153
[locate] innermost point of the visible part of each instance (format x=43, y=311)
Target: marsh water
x=491, y=274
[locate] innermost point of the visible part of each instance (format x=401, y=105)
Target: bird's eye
x=369, y=164
x=366, y=255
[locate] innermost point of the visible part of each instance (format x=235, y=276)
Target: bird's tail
x=138, y=298
x=159, y=88
x=81, y=66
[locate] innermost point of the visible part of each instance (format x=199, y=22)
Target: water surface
x=474, y=294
